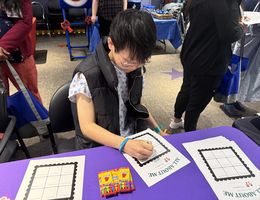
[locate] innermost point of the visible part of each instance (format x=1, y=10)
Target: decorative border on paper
x=51, y=165
x=154, y=158
x=226, y=178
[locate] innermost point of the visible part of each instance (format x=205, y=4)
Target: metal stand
x=64, y=6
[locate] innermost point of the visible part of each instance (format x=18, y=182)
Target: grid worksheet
x=225, y=164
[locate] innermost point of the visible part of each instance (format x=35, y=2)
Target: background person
x=205, y=55
x=17, y=38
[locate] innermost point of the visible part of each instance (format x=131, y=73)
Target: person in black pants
x=205, y=56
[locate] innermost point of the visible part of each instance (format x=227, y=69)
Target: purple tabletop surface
x=186, y=183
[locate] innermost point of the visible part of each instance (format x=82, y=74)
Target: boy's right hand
x=139, y=149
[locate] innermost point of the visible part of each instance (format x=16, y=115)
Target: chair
x=7, y=144
x=8, y=132
x=61, y=120
x=39, y=13
x=250, y=126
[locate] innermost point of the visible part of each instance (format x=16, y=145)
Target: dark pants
x=195, y=94
x=134, y=5
x=104, y=26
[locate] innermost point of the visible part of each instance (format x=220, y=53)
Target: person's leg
x=130, y=5
x=138, y=6
x=201, y=92
x=181, y=103
x=182, y=97
x=28, y=73
x=104, y=26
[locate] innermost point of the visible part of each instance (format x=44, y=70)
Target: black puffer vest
x=102, y=81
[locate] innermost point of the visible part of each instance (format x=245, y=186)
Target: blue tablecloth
x=167, y=29
x=94, y=38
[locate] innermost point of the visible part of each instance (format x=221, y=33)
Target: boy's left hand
x=163, y=133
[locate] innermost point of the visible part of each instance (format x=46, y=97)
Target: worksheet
x=228, y=170
x=251, y=18
x=53, y=178
x=164, y=161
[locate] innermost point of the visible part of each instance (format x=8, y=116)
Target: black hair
x=11, y=5
x=135, y=30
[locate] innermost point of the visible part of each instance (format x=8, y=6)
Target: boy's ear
x=110, y=43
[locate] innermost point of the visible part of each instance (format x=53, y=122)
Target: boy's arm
x=154, y=124
x=94, y=11
x=86, y=115
x=125, y=4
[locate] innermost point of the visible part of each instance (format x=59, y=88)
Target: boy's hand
x=163, y=132
x=93, y=19
x=3, y=54
x=139, y=149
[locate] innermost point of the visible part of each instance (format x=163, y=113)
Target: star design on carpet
x=174, y=74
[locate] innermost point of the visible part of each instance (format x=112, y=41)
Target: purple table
x=186, y=183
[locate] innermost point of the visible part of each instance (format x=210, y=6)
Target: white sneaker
x=176, y=125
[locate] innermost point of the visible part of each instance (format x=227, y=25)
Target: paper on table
x=53, y=178
x=227, y=169
x=164, y=161
x=251, y=18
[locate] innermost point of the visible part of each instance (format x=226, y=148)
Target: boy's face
x=122, y=58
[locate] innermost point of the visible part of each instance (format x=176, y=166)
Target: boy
x=107, y=87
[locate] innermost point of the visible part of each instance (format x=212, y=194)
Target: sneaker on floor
x=176, y=125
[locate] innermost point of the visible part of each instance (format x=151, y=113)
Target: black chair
x=42, y=18
x=61, y=120
x=250, y=126
x=7, y=144
x=8, y=132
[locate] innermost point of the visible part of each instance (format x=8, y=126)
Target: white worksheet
x=53, y=178
x=164, y=161
x=227, y=169
x=251, y=18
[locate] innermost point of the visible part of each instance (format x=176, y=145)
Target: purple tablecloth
x=186, y=183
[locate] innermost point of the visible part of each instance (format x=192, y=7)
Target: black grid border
x=227, y=178
x=51, y=165
x=148, y=161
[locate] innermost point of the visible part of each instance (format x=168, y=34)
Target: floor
x=162, y=83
